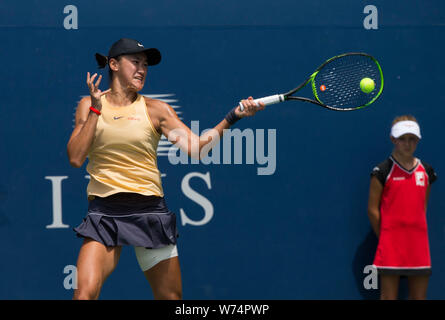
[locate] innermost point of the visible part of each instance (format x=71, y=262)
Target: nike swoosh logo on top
x=117, y=118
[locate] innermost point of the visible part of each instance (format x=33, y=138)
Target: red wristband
x=95, y=110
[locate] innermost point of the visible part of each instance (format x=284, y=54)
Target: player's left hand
x=250, y=108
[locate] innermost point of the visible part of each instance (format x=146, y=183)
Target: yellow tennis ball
x=367, y=85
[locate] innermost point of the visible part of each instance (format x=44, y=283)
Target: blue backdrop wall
x=301, y=232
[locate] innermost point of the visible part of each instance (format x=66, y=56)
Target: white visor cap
x=404, y=127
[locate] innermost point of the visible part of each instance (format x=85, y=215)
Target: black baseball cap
x=128, y=46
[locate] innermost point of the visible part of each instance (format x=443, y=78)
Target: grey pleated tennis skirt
x=129, y=219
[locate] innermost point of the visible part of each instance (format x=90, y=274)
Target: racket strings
x=337, y=84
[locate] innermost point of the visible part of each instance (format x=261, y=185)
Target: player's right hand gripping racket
x=336, y=83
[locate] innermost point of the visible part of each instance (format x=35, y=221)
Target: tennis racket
x=336, y=84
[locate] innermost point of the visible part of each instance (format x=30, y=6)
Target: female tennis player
x=398, y=196
x=119, y=130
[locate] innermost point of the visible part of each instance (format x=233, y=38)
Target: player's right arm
x=375, y=194
x=86, y=121
x=83, y=133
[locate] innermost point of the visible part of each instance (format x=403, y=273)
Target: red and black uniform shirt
x=403, y=243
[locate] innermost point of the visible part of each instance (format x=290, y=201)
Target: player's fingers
x=250, y=106
x=91, y=82
x=90, y=87
x=98, y=81
x=93, y=77
x=253, y=105
x=247, y=105
x=104, y=92
x=261, y=106
x=88, y=78
x=243, y=102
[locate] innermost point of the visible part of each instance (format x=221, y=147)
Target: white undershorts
x=148, y=258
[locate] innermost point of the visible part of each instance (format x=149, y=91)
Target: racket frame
x=289, y=95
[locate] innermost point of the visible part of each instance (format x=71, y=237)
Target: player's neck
x=120, y=96
x=407, y=161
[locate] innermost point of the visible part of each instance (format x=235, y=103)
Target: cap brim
x=399, y=134
x=153, y=55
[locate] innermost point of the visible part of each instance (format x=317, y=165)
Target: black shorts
x=405, y=272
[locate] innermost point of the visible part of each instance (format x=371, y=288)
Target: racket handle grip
x=276, y=98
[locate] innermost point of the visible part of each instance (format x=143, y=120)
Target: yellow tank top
x=122, y=157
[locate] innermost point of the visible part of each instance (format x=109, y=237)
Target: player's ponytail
x=102, y=62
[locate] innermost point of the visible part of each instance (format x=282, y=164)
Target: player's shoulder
x=158, y=107
x=382, y=170
x=426, y=165
x=83, y=105
x=429, y=170
x=155, y=103
x=85, y=100
x=384, y=166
